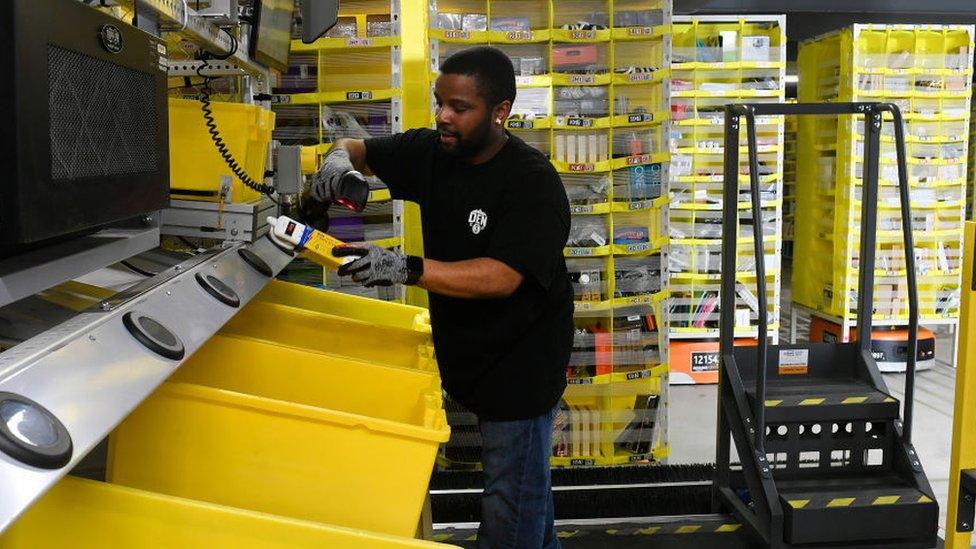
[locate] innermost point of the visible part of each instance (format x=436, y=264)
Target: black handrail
x=873, y=114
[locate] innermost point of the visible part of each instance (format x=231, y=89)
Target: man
x=495, y=221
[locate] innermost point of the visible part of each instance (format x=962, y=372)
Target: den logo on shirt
x=477, y=220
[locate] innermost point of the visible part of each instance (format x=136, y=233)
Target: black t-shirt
x=503, y=359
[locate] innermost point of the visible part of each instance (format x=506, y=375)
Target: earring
x=498, y=121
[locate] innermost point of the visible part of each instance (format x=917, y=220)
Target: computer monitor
x=271, y=35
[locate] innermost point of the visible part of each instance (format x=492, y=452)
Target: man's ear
x=502, y=111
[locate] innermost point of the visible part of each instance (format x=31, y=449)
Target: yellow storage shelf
x=926, y=70
x=317, y=431
x=341, y=44
x=85, y=513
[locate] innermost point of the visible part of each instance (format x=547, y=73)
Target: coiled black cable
x=211, y=124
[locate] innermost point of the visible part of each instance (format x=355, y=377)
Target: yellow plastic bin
x=383, y=313
x=196, y=166
x=305, y=329
x=86, y=513
x=298, y=435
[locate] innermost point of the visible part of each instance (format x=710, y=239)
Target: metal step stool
x=826, y=459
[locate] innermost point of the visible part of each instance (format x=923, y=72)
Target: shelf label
x=582, y=462
x=640, y=205
x=577, y=252
x=579, y=122
x=637, y=248
x=520, y=124
x=639, y=457
x=582, y=167
x=359, y=95
x=581, y=209
x=640, y=31
x=638, y=160
x=640, y=77
x=582, y=79
x=580, y=381
x=519, y=35
x=457, y=34
x=582, y=35
x=638, y=375
x=704, y=362
x=524, y=80
x=639, y=118
x=359, y=42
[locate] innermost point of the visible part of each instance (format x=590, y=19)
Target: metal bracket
x=966, y=510
x=213, y=68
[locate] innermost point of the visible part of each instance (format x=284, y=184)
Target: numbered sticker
x=359, y=95
x=704, y=362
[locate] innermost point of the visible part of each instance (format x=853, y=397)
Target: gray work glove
x=376, y=266
x=338, y=181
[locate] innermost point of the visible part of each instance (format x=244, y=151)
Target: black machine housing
x=85, y=123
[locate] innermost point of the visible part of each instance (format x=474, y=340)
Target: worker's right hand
x=338, y=181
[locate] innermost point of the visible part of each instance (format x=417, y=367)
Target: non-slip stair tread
x=825, y=392
x=849, y=491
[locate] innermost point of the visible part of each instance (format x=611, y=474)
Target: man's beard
x=470, y=145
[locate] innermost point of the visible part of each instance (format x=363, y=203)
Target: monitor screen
x=271, y=38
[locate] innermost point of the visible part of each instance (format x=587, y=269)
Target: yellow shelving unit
x=927, y=71
x=971, y=186
x=349, y=84
x=593, y=79
x=718, y=60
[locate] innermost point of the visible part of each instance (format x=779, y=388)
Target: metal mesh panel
x=103, y=118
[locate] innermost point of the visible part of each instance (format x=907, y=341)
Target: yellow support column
x=964, y=423
x=416, y=114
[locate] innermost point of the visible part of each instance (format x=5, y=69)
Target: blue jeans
x=516, y=507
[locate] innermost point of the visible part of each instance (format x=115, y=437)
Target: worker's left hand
x=375, y=266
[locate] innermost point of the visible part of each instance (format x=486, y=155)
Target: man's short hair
x=490, y=67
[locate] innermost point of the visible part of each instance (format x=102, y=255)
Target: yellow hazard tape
x=799, y=503
x=773, y=403
x=925, y=499
x=649, y=530
x=812, y=401
x=855, y=400
x=889, y=399
x=728, y=528
x=841, y=502
x=886, y=500
x=691, y=529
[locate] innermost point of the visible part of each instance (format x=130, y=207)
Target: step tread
x=821, y=392
x=849, y=491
